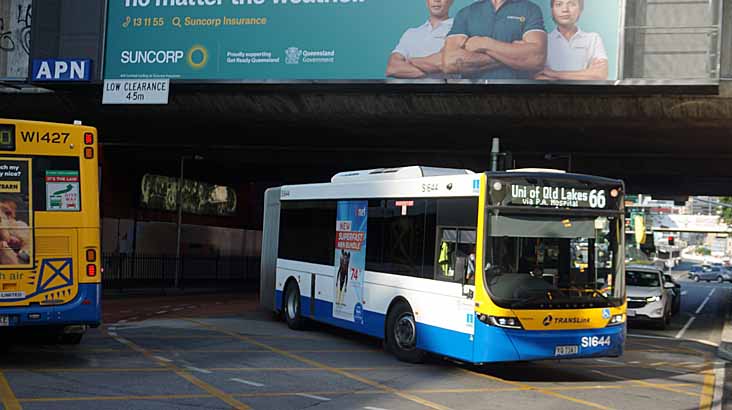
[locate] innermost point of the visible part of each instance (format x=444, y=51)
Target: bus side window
x=455, y=255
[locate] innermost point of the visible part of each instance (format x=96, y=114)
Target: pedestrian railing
x=125, y=271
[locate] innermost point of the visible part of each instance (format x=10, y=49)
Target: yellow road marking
x=111, y=398
x=304, y=369
x=262, y=351
x=93, y=369
x=321, y=393
x=537, y=389
x=192, y=379
x=313, y=363
x=707, y=393
x=647, y=384
x=10, y=402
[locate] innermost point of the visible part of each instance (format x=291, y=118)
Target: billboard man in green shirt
x=496, y=40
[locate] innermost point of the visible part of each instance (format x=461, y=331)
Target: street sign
x=153, y=91
x=50, y=69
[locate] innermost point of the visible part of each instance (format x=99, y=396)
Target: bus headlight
x=617, y=320
x=505, y=322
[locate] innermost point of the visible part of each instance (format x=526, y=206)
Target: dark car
x=676, y=291
x=710, y=273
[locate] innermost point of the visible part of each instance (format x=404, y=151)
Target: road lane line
x=199, y=370
x=117, y=398
x=162, y=312
x=163, y=359
x=608, y=361
x=246, y=382
x=719, y=376
x=314, y=363
x=683, y=293
x=707, y=393
x=704, y=303
x=537, y=389
x=7, y=397
x=219, y=394
x=685, y=328
x=373, y=408
x=312, y=396
x=646, y=384
x=658, y=363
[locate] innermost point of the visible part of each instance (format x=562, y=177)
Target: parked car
x=710, y=273
x=650, y=297
x=676, y=293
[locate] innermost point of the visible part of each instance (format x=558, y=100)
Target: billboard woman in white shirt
x=573, y=54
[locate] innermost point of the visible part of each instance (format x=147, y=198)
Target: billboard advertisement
x=362, y=40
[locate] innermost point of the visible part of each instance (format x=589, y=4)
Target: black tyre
x=696, y=278
x=71, y=338
x=401, y=334
x=291, y=307
x=720, y=279
x=662, y=323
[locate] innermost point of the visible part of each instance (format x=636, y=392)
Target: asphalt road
x=222, y=353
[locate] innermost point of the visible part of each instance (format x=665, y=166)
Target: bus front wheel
x=401, y=334
x=292, y=308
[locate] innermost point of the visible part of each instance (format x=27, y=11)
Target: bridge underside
x=670, y=143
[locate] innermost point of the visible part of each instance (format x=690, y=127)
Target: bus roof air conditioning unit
x=410, y=172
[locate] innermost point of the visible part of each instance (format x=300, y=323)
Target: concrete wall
x=159, y=238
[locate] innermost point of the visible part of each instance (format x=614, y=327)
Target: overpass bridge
x=663, y=125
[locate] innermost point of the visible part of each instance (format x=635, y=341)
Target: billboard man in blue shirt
x=496, y=40
x=418, y=53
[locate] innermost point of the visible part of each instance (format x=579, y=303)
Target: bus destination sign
x=558, y=197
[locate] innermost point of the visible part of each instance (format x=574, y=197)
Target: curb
x=724, y=350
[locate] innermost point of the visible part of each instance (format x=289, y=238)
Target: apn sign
x=61, y=70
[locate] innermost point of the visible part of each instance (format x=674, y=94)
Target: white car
x=649, y=295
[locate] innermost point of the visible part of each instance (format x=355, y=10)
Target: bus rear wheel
x=291, y=308
x=401, y=334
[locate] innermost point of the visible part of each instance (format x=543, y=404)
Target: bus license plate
x=4, y=321
x=566, y=350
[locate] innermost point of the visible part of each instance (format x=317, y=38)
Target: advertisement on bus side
x=16, y=216
x=356, y=40
x=350, y=260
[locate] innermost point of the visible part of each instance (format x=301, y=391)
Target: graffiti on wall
x=15, y=37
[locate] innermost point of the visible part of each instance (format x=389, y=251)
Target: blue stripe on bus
x=537, y=345
x=432, y=338
x=72, y=313
x=489, y=344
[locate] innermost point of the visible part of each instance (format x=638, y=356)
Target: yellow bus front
x=552, y=248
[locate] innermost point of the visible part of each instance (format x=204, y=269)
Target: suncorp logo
x=151, y=56
x=196, y=56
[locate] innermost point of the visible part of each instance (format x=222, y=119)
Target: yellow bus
x=49, y=228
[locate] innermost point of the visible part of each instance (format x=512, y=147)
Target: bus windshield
x=557, y=261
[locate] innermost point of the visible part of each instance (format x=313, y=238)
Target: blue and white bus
x=489, y=267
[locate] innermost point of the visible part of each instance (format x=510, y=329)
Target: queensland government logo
x=292, y=55
x=547, y=320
